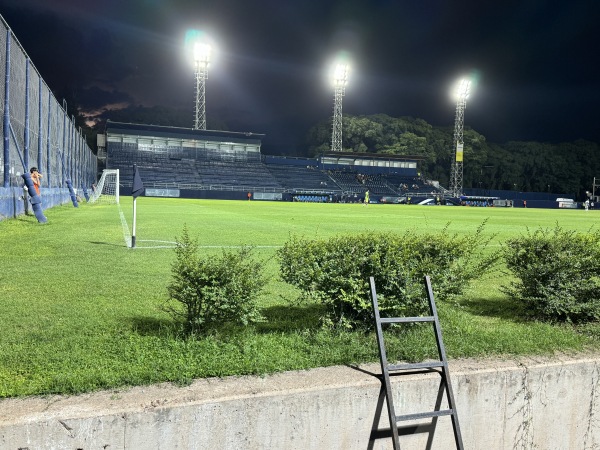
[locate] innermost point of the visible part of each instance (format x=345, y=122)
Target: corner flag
x=138, y=186
x=136, y=190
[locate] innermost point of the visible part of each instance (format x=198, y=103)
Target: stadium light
x=339, y=78
x=462, y=89
x=201, y=50
x=461, y=92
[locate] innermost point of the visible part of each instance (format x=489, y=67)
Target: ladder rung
x=425, y=415
x=407, y=319
x=423, y=365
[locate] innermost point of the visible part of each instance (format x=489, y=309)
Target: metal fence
x=36, y=131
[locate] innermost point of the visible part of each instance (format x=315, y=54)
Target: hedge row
x=336, y=271
x=556, y=275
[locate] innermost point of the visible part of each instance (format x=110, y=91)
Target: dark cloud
x=537, y=80
x=96, y=98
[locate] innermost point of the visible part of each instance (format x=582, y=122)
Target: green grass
x=80, y=311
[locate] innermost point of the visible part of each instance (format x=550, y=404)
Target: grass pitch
x=81, y=311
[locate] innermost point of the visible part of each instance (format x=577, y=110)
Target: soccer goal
x=107, y=189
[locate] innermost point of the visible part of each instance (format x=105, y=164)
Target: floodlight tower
x=340, y=79
x=461, y=94
x=201, y=54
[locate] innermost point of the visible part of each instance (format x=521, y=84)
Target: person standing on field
x=36, y=177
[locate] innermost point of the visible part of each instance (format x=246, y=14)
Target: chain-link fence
x=36, y=131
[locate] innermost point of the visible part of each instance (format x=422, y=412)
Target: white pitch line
x=156, y=246
x=240, y=246
x=174, y=244
x=155, y=240
x=126, y=233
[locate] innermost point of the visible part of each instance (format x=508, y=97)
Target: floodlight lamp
x=463, y=89
x=201, y=53
x=340, y=75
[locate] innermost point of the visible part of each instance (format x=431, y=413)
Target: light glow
x=201, y=53
x=340, y=74
x=199, y=48
x=462, y=89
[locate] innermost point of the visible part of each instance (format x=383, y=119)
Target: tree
x=524, y=166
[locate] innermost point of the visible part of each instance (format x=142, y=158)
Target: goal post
x=107, y=189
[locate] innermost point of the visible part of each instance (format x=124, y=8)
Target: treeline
x=568, y=167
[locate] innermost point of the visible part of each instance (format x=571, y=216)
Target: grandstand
x=187, y=160
x=221, y=164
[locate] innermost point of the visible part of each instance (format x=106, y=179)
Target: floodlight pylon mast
x=340, y=78
x=201, y=61
x=200, y=108
x=456, y=174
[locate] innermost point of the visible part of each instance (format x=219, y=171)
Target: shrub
x=336, y=271
x=214, y=290
x=557, y=274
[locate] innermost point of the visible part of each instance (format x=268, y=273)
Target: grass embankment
x=80, y=311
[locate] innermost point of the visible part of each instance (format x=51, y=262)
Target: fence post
x=6, y=121
x=39, y=155
x=26, y=130
x=64, y=146
x=48, y=140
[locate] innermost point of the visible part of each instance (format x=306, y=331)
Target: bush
x=214, y=290
x=336, y=271
x=558, y=274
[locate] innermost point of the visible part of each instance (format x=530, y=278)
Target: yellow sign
x=459, y=152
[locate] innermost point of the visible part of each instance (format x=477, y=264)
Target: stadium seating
x=241, y=170
x=303, y=178
x=192, y=168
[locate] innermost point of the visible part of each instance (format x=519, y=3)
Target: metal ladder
x=440, y=367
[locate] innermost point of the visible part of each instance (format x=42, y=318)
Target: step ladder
x=440, y=367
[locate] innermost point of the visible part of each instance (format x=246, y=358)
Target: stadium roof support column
x=456, y=175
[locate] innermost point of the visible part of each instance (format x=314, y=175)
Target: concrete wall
x=517, y=404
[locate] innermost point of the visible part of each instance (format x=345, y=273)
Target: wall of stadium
x=501, y=404
x=36, y=131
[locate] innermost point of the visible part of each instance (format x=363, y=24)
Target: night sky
x=535, y=61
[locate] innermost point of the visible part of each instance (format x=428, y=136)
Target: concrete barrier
x=12, y=204
x=502, y=404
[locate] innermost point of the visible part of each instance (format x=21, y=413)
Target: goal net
x=107, y=189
